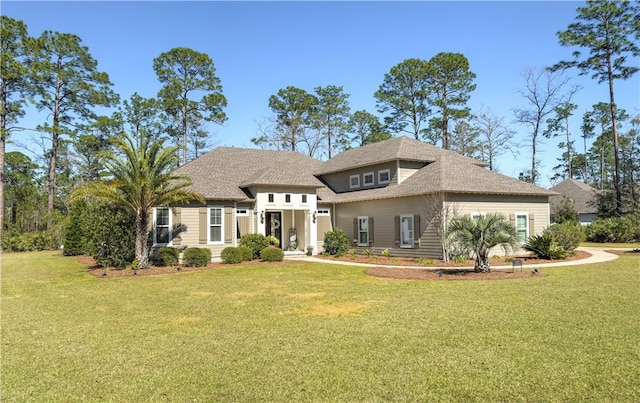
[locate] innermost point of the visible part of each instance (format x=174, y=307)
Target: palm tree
x=480, y=234
x=140, y=179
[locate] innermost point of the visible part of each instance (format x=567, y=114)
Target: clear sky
x=261, y=47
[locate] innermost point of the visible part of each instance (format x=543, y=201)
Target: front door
x=274, y=224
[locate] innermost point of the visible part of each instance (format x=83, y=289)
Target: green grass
x=632, y=245
x=317, y=332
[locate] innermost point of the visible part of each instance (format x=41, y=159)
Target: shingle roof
x=222, y=172
x=447, y=175
x=579, y=192
x=399, y=148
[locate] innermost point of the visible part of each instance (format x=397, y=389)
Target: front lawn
x=316, y=332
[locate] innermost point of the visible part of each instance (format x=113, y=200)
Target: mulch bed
x=96, y=271
x=403, y=261
x=438, y=270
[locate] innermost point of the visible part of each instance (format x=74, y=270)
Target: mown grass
x=317, y=332
x=629, y=245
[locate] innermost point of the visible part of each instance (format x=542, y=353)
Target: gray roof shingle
x=223, y=172
x=579, y=192
x=447, y=175
x=399, y=148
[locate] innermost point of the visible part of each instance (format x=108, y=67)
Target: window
x=384, y=176
x=323, y=212
x=304, y=199
x=478, y=215
x=162, y=233
x=363, y=231
x=406, y=231
x=287, y=198
x=270, y=197
x=522, y=227
x=354, y=181
x=240, y=212
x=367, y=179
x=215, y=224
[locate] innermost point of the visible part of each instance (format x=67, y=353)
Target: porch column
x=313, y=231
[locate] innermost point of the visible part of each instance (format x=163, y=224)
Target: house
x=386, y=195
x=580, y=195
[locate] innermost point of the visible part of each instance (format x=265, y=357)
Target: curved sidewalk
x=597, y=256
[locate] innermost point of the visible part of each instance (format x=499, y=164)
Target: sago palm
x=140, y=178
x=480, y=234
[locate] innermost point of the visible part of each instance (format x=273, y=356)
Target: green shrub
x=336, y=242
x=198, y=257
x=545, y=247
x=231, y=255
x=623, y=229
x=26, y=242
x=167, y=256
x=271, y=255
x=255, y=242
x=568, y=234
x=246, y=253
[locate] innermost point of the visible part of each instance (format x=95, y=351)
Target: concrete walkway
x=597, y=256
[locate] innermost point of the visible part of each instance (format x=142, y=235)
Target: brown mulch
x=439, y=270
x=448, y=271
x=494, y=261
x=632, y=252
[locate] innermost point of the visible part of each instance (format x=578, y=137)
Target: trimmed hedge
x=272, y=255
x=255, y=242
x=198, y=257
x=247, y=254
x=231, y=255
x=167, y=256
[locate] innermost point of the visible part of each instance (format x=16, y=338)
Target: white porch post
x=260, y=207
x=313, y=225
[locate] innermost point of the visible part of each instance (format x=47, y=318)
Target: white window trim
x=388, y=172
x=242, y=212
x=366, y=218
x=528, y=230
x=290, y=199
x=351, y=185
x=402, y=245
x=302, y=201
x=155, y=226
x=209, y=241
x=373, y=179
x=323, y=212
x=274, y=198
x=477, y=214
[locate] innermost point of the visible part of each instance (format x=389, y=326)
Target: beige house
x=396, y=195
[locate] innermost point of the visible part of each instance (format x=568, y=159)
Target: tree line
x=427, y=99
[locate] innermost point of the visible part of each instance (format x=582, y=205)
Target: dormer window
x=367, y=179
x=384, y=176
x=354, y=181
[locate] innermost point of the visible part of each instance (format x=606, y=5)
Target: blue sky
x=261, y=47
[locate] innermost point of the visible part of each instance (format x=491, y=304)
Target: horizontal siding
x=384, y=213
x=408, y=168
x=190, y=238
x=339, y=181
x=535, y=206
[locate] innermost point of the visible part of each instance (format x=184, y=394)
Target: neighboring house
x=386, y=195
x=580, y=195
